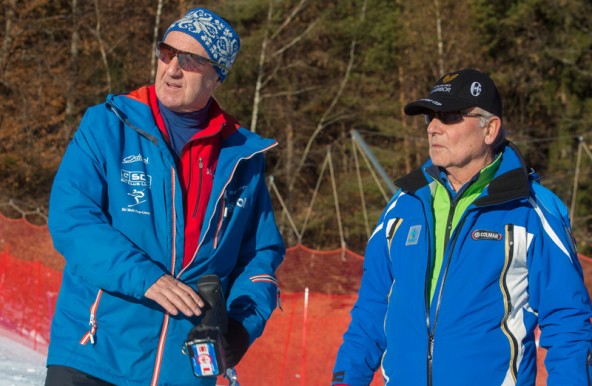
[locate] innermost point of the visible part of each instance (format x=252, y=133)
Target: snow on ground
x=20, y=365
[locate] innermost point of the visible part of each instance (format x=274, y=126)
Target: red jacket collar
x=220, y=122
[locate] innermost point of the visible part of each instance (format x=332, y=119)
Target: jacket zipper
x=508, y=304
x=199, y=186
x=432, y=329
x=90, y=335
x=218, y=201
x=588, y=364
x=224, y=213
x=163, y=331
x=430, y=336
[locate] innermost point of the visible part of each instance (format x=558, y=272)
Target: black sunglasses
x=187, y=61
x=449, y=117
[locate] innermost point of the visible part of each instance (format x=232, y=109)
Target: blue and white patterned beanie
x=216, y=36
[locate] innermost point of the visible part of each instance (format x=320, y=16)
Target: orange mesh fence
x=28, y=294
x=298, y=346
x=300, y=342
x=29, y=242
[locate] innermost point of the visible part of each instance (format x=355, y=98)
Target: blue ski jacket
x=509, y=265
x=116, y=215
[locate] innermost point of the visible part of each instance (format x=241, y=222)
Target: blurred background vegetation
x=309, y=72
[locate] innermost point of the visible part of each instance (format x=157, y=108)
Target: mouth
x=172, y=85
x=436, y=147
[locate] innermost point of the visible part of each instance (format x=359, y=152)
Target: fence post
x=288, y=339
x=305, y=317
x=3, y=267
x=37, y=305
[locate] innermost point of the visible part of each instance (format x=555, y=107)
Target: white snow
x=19, y=364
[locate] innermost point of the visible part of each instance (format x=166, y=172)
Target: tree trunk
x=70, y=113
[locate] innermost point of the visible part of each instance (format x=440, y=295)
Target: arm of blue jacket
x=79, y=221
x=558, y=293
x=254, y=291
x=364, y=342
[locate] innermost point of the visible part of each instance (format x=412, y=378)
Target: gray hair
x=484, y=120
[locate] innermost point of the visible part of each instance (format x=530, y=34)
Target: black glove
x=235, y=342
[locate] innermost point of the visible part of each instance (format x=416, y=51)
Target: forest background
x=308, y=73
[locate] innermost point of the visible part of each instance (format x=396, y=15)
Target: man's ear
x=492, y=129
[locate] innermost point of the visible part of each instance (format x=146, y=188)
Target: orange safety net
x=28, y=284
x=28, y=294
x=300, y=341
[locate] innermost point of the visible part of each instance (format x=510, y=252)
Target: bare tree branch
x=7, y=41
x=439, y=37
x=259, y=82
x=289, y=19
x=97, y=34
x=290, y=93
x=296, y=39
x=323, y=121
x=262, y=79
x=73, y=72
x=155, y=39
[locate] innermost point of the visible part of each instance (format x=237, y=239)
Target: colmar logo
x=486, y=235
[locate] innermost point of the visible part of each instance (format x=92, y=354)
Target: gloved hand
x=235, y=342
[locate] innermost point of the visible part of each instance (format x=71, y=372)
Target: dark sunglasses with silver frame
x=187, y=61
x=449, y=117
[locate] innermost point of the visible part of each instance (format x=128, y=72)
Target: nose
x=173, y=67
x=433, y=126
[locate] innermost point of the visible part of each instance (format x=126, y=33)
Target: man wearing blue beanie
x=159, y=188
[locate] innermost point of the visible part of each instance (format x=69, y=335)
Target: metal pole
x=364, y=146
x=576, y=178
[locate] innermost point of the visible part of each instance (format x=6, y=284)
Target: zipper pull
x=199, y=186
x=93, y=329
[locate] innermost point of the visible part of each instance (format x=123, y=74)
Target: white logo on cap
x=476, y=89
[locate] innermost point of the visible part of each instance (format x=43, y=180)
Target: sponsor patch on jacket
x=413, y=235
x=486, y=235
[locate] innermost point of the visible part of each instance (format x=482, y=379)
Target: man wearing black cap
x=468, y=258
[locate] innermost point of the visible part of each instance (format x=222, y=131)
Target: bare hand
x=175, y=296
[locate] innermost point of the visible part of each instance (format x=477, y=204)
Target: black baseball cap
x=459, y=90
